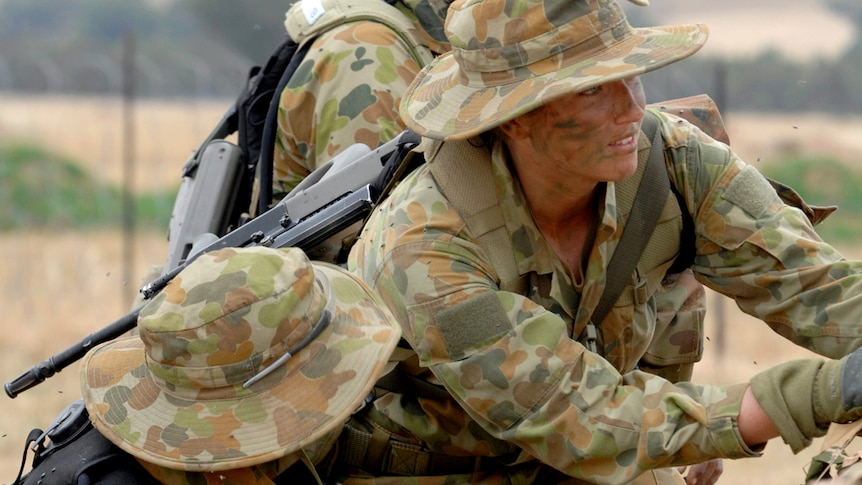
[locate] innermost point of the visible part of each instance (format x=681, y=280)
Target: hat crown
x=226, y=316
x=249, y=355
x=511, y=56
x=500, y=35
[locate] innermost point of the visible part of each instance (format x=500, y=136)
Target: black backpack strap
x=32, y=439
x=400, y=381
x=270, y=124
x=685, y=258
x=649, y=202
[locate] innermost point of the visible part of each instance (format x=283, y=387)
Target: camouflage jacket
x=348, y=87
x=525, y=388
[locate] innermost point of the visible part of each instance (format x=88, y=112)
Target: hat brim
x=312, y=394
x=442, y=103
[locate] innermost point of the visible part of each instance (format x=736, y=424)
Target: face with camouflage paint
x=509, y=57
x=582, y=138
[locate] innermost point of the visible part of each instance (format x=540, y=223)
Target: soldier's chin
x=624, y=166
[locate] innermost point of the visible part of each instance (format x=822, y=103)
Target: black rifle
x=328, y=201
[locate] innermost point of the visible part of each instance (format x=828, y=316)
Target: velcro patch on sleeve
x=751, y=192
x=477, y=321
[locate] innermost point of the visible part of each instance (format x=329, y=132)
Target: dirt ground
x=56, y=288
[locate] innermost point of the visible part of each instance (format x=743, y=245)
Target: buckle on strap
x=592, y=337
x=378, y=452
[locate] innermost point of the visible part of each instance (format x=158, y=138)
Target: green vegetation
x=42, y=190
x=825, y=181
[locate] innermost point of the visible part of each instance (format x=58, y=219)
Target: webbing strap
x=651, y=194
x=397, y=457
x=465, y=177
x=267, y=143
x=33, y=437
x=401, y=381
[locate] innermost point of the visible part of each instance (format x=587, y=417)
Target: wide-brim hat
x=509, y=58
x=246, y=356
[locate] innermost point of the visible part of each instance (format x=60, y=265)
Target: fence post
x=128, y=166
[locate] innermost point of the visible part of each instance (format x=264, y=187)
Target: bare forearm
x=755, y=427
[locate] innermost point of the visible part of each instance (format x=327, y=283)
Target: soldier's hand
x=703, y=473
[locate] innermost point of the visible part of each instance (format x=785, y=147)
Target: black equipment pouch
x=72, y=451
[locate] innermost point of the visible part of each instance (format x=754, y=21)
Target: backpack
x=217, y=193
x=92, y=459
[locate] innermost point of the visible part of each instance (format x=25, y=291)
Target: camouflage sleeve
x=346, y=91
x=511, y=364
x=763, y=253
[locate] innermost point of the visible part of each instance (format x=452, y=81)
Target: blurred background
x=101, y=103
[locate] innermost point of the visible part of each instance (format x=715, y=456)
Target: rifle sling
x=649, y=202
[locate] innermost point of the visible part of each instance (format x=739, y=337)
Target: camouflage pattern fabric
x=268, y=473
x=549, y=48
x=247, y=356
x=348, y=88
x=836, y=464
x=524, y=388
x=263, y=474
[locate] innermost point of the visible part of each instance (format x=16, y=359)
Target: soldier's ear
x=515, y=129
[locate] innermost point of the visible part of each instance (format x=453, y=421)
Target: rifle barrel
x=58, y=362
x=316, y=213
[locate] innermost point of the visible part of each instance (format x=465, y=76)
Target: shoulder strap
x=464, y=176
x=654, y=187
x=293, y=54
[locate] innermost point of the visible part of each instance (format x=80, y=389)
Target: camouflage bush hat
x=509, y=57
x=246, y=356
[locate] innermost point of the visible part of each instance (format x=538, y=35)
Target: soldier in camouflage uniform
x=547, y=94
x=348, y=87
x=247, y=364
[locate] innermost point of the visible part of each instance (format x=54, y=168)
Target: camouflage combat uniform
x=348, y=87
x=524, y=387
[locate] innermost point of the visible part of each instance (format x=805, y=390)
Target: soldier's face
x=591, y=135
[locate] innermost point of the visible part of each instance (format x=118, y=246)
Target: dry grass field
x=741, y=28
x=57, y=288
